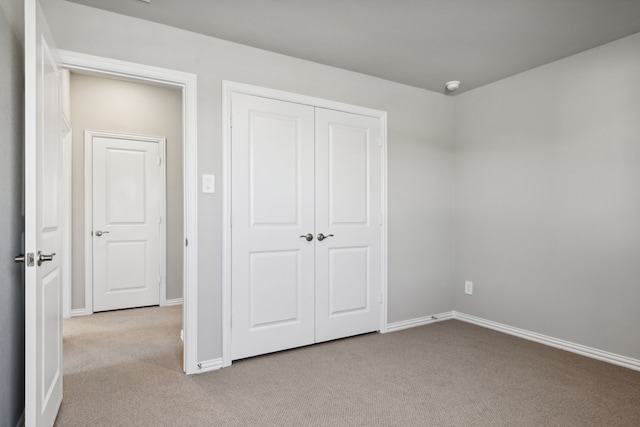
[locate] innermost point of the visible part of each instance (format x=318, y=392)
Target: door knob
x=308, y=236
x=100, y=233
x=321, y=236
x=19, y=258
x=42, y=257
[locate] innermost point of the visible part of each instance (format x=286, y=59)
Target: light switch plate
x=208, y=183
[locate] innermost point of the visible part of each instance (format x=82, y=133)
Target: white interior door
x=348, y=209
x=127, y=221
x=299, y=170
x=272, y=207
x=43, y=282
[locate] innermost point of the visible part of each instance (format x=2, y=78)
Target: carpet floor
x=124, y=368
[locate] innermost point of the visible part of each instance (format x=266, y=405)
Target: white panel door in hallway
x=127, y=183
x=300, y=173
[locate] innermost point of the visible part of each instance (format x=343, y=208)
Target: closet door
x=272, y=210
x=348, y=211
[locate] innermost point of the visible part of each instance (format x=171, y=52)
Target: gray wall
x=419, y=152
x=11, y=225
x=547, y=167
x=120, y=106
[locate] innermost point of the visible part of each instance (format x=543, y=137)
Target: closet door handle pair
x=321, y=237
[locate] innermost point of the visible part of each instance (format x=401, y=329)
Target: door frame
x=88, y=212
x=187, y=83
x=228, y=89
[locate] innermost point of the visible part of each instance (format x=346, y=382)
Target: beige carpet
x=125, y=369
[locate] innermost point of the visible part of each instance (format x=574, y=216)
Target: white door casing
x=188, y=84
x=349, y=209
x=272, y=205
x=43, y=236
x=337, y=281
x=127, y=183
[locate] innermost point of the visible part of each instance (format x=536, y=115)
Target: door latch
x=22, y=258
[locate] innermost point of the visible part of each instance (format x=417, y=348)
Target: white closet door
x=272, y=206
x=348, y=209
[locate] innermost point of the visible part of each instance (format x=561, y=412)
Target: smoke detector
x=452, y=85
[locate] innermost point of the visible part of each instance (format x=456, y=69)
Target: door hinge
x=159, y=161
x=186, y=242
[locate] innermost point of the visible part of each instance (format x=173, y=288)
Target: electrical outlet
x=468, y=287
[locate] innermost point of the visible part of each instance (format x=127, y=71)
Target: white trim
x=89, y=136
x=228, y=89
x=80, y=312
x=210, y=365
x=174, y=301
x=419, y=321
x=67, y=217
x=188, y=83
x=580, y=349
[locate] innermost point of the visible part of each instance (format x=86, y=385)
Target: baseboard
x=80, y=312
x=593, y=353
x=175, y=301
x=420, y=321
x=21, y=420
x=210, y=365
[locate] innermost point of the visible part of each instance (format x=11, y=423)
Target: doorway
x=184, y=86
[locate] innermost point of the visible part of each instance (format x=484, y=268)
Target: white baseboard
x=411, y=323
x=175, y=301
x=210, y=365
x=593, y=353
x=80, y=312
x=21, y=420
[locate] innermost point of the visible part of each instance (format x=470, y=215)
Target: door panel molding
x=231, y=88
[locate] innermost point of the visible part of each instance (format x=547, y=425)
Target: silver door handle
x=321, y=236
x=308, y=236
x=100, y=233
x=19, y=258
x=42, y=257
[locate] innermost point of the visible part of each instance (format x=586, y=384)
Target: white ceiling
x=422, y=43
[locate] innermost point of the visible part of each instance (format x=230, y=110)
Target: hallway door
x=127, y=220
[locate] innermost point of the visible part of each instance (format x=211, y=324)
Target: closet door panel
x=348, y=208
x=272, y=206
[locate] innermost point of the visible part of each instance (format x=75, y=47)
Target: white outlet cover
x=468, y=287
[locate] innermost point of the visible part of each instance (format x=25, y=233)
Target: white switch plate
x=208, y=184
x=468, y=287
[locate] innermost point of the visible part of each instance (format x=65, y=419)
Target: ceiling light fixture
x=452, y=85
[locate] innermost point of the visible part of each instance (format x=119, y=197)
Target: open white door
x=43, y=282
